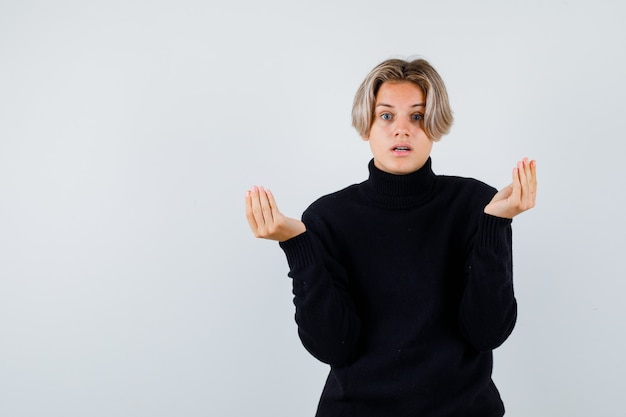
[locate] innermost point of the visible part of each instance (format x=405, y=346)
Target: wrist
x=293, y=228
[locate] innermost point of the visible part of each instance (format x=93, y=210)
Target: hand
x=265, y=220
x=518, y=196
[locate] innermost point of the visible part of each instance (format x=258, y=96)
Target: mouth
x=401, y=149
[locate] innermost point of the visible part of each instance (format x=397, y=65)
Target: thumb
x=503, y=193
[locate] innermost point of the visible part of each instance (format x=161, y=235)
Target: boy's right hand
x=265, y=220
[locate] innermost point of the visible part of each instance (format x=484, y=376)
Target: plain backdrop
x=130, y=284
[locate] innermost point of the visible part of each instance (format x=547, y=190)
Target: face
x=397, y=138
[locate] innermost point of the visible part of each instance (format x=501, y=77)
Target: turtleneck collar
x=399, y=191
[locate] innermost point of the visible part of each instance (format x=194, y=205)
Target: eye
x=386, y=116
x=417, y=117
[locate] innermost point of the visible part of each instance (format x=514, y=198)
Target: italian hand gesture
x=518, y=196
x=265, y=220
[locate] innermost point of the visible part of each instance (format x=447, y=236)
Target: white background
x=130, y=284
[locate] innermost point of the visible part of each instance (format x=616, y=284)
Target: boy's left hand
x=518, y=196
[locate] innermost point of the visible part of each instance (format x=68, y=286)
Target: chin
x=399, y=167
x=403, y=169
x=406, y=171
x=400, y=170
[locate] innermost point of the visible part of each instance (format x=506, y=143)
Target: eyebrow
x=389, y=105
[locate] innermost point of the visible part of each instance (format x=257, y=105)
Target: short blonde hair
x=438, y=114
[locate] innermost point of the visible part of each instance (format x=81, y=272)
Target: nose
x=401, y=128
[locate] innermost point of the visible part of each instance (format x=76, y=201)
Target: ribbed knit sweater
x=403, y=285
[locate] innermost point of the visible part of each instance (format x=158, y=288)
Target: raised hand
x=518, y=196
x=265, y=220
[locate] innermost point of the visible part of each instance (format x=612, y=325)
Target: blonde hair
x=438, y=114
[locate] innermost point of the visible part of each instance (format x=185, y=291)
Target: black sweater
x=404, y=286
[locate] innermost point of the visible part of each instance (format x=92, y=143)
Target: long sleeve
x=328, y=325
x=404, y=286
x=488, y=309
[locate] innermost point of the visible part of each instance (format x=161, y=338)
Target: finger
x=265, y=206
x=272, y=201
x=249, y=213
x=528, y=188
x=523, y=178
x=504, y=193
x=516, y=184
x=529, y=172
x=533, y=181
x=257, y=208
x=523, y=169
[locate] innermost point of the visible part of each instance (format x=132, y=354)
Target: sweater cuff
x=493, y=231
x=299, y=251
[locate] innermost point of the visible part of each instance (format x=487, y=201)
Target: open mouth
x=401, y=149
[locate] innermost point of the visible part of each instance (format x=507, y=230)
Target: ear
x=365, y=138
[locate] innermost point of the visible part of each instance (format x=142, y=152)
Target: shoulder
x=464, y=182
x=330, y=203
x=465, y=189
x=330, y=212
